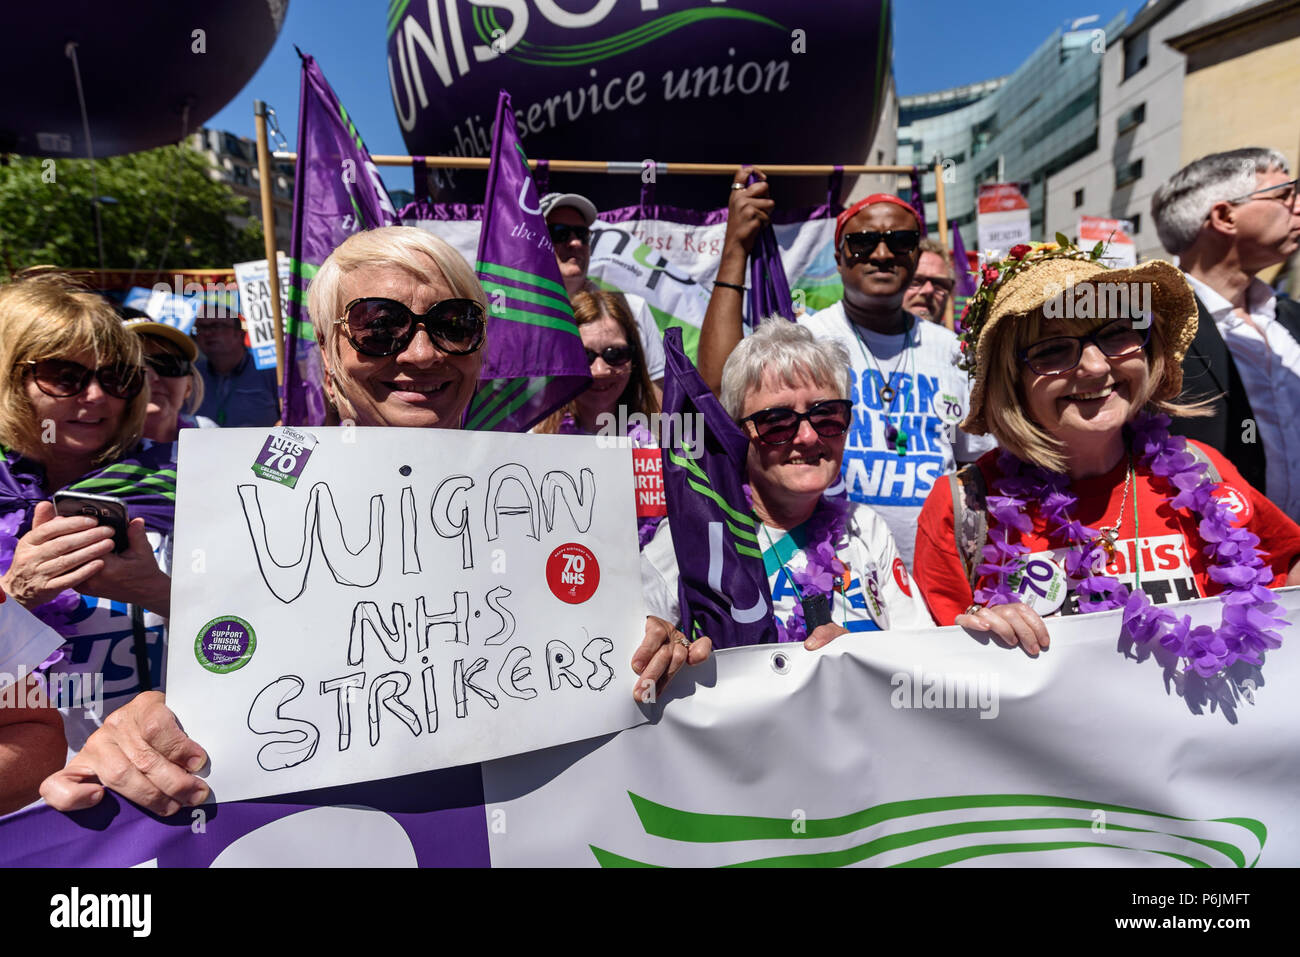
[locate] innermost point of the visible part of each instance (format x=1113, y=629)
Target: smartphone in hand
x=103, y=508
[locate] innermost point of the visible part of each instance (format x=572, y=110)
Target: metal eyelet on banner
x=780, y=662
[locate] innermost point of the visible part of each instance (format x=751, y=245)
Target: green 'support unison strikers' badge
x=225, y=644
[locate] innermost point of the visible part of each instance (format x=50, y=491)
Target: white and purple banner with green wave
x=904, y=749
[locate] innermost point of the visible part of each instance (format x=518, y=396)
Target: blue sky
x=937, y=44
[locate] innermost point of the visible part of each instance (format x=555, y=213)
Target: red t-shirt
x=1163, y=545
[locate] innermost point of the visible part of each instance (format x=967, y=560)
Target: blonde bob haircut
x=415, y=251
x=1004, y=400
x=49, y=316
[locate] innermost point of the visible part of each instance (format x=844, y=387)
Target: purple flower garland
x=1249, y=611
x=827, y=533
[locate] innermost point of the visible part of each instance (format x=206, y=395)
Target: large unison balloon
x=765, y=81
x=141, y=62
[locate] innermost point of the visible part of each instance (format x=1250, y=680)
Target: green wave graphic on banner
x=580, y=54
x=693, y=827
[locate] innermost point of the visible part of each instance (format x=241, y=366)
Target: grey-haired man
x=1228, y=216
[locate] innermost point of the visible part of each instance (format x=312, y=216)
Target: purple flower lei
x=1249, y=611
x=827, y=532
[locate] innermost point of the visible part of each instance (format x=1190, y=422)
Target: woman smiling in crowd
x=833, y=566
x=1089, y=474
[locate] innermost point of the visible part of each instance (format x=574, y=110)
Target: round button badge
x=225, y=644
x=572, y=573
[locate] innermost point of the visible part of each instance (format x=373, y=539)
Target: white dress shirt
x=1268, y=360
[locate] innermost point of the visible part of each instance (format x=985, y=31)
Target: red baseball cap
x=843, y=218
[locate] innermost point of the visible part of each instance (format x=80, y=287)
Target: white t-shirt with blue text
x=931, y=397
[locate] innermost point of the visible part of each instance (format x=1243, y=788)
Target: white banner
x=1115, y=235
x=353, y=604
x=930, y=749
x=671, y=265
x=255, y=304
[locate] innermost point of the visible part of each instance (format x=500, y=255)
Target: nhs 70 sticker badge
x=284, y=455
x=1041, y=584
x=949, y=410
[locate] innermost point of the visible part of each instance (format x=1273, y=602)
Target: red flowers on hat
x=1018, y=251
x=990, y=274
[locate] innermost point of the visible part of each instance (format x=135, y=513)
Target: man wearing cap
x=569, y=217
x=907, y=391
x=931, y=286
x=237, y=394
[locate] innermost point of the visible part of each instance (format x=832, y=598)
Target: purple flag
x=336, y=192
x=918, y=200
x=769, y=289
x=965, y=278
x=535, y=359
x=723, y=587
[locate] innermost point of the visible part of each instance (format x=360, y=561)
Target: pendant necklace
x=1110, y=533
x=895, y=436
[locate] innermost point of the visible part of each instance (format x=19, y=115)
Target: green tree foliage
x=46, y=213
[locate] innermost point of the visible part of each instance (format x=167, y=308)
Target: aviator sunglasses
x=779, y=426
x=63, y=378
x=862, y=245
x=385, y=327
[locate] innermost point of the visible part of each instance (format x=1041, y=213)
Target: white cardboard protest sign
x=367, y=603
x=255, y=304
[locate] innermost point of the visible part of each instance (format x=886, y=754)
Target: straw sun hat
x=1032, y=275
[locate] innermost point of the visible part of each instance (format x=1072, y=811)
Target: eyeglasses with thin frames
x=1286, y=199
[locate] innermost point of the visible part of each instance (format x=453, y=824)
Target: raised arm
x=748, y=210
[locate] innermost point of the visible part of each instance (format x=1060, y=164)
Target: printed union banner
x=365, y=603
x=1002, y=219
x=1116, y=237
x=670, y=262
x=905, y=749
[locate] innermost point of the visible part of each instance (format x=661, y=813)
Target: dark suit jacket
x=1209, y=371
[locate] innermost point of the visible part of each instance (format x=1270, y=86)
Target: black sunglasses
x=385, y=327
x=1060, y=354
x=216, y=326
x=862, y=245
x=63, y=378
x=780, y=425
x=169, y=366
x=613, y=355
x=560, y=232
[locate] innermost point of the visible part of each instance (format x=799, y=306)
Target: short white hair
x=409, y=248
x=788, y=351
x=1180, y=206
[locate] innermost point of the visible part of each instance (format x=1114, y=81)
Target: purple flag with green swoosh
x=337, y=192
x=535, y=358
x=722, y=589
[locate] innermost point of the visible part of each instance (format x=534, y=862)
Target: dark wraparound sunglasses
x=862, y=245
x=780, y=425
x=168, y=366
x=613, y=355
x=1060, y=354
x=561, y=232
x=385, y=327
x=63, y=378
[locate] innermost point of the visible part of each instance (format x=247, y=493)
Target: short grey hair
x=787, y=351
x=1180, y=206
